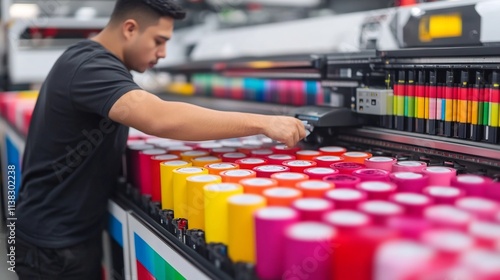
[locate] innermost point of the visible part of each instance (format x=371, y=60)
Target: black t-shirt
x=73, y=151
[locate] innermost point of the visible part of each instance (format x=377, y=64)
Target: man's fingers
x=302, y=131
x=295, y=140
x=291, y=141
x=287, y=130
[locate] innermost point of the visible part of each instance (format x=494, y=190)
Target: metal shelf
x=486, y=57
x=232, y=105
x=479, y=51
x=177, y=246
x=266, y=67
x=362, y=57
x=433, y=145
x=274, y=74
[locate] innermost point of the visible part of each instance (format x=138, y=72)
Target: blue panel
x=13, y=158
x=115, y=229
x=144, y=253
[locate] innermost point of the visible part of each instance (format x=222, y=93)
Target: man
x=79, y=132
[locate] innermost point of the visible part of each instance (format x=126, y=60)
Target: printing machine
x=385, y=42
x=344, y=125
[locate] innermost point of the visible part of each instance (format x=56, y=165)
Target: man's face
x=148, y=45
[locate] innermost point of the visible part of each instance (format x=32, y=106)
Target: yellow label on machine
x=455, y=110
x=449, y=110
x=420, y=107
x=469, y=111
x=474, y=113
x=462, y=111
x=440, y=26
x=390, y=105
x=426, y=108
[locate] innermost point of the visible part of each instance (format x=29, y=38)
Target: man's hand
x=287, y=130
x=182, y=121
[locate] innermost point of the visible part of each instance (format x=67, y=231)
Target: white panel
x=133, y=260
x=5, y=10
x=31, y=65
x=185, y=37
x=287, y=3
x=376, y=26
x=490, y=21
x=316, y=35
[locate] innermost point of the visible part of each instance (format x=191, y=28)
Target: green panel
x=160, y=267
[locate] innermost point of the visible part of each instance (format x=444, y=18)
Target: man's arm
x=152, y=115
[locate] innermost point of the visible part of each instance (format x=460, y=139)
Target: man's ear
x=130, y=29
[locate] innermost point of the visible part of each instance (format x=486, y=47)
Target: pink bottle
x=312, y=209
x=270, y=225
x=308, y=251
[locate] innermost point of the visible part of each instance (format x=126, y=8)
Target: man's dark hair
x=150, y=10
